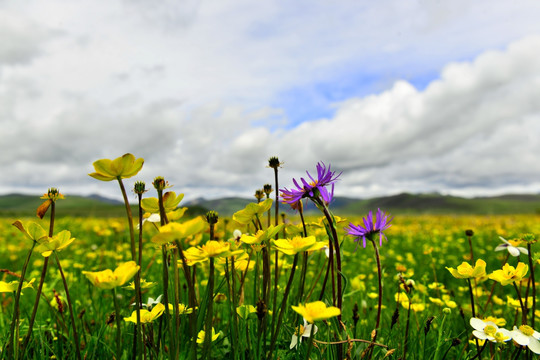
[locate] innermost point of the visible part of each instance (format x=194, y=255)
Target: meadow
x=262, y=285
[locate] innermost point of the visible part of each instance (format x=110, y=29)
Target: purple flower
x=369, y=229
x=313, y=188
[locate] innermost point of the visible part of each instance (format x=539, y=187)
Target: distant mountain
x=95, y=205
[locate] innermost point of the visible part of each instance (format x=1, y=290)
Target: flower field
x=159, y=285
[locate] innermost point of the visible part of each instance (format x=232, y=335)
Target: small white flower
x=513, y=250
x=527, y=336
x=303, y=331
x=150, y=303
x=237, y=234
x=488, y=330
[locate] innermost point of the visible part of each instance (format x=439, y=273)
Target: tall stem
x=531, y=267
x=209, y=313
x=337, y=251
x=68, y=298
x=137, y=279
x=118, y=325
x=473, y=312
x=379, y=304
x=282, y=307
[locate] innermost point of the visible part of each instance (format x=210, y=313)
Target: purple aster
x=369, y=229
x=305, y=189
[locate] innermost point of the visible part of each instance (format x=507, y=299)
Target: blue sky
x=401, y=95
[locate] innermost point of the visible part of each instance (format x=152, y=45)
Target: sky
x=398, y=96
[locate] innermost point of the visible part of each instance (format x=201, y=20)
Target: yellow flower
x=201, y=335
x=51, y=196
x=144, y=285
x=147, y=316
x=33, y=231
x=122, y=167
x=466, y=271
x=509, y=274
x=261, y=235
x=212, y=249
x=13, y=285
x=107, y=279
x=176, y=231
x=182, y=309
x=56, y=243
x=297, y=244
x=316, y=311
x=244, y=310
x=170, y=202
x=251, y=210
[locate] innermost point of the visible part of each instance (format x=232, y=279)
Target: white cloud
x=192, y=88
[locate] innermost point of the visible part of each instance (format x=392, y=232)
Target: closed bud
x=273, y=162
x=469, y=232
x=212, y=217
x=139, y=187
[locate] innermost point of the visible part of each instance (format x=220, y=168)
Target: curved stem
x=379, y=305
x=118, y=325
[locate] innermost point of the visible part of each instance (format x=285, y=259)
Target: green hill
x=16, y=205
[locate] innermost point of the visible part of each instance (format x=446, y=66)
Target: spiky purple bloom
x=325, y=177
x=369, y=229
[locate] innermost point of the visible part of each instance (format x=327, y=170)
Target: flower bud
x=274, y=163
x=212, y=217
x=139, y=187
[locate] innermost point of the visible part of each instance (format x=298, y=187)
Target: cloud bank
x=400, y=97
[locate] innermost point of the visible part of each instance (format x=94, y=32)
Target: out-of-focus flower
x=314, y=188
x=488, y=330
x=33, y=231
x=144, y=285
x=466, y=271
x=316, y=311
x=261, y=235
x=302, y=331
x=147, y=316
x=107, y=279
x=246, y=215
x=182, y=309
x=151, y=302
x=370, y=229
x=12, y=286
x=58, y=242
x=512, y=247
x=170, y=202
x=122, y=167
x=527, y=336
x=175, y=231
x=202, y=334
x=297, y=244
x=509, y=274
x=244, y=310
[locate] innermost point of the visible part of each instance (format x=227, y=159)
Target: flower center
x=490, y=330
x=500, y=337
x=299, y=330
x=526, y=329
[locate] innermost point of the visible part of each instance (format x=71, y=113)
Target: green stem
x=531, y=267
x=473, y=312
x=310, y=343
x=523, y=306
x=118, y=325
x=137, y=279
x=71, y=315
x=379, y=304
x=282, y=307
x=209, y=313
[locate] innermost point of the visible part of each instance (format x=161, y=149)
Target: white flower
x=513, y=250
x=488, y=330
x=527, y=336
x=303, y=331
x=150, y=303
x=153, y=218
